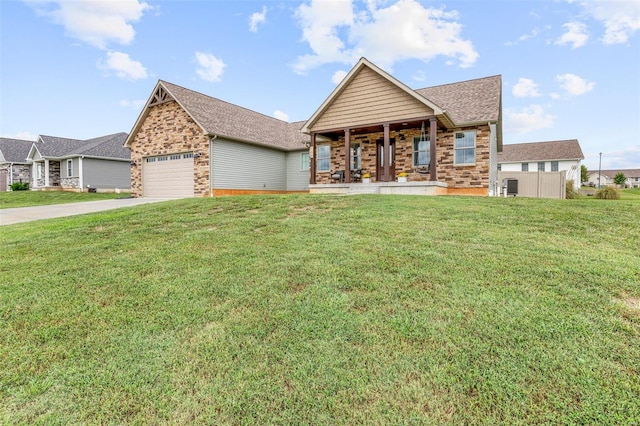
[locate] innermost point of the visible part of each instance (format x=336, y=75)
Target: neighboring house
x=607, y=176
x=70, y=164
x=551, y=156
x=187, y=144
x=14, y=166
x=445, y=139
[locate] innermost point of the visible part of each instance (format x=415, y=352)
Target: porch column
x=312, y=160
x=347, y=160
x=80, y=173
x=385, y=154
x=46, y=172
x=433, y=131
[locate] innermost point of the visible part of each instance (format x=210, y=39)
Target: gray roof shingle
x=232, y=121
x=15, y=150
x=109, y=146
x=471, y=101
x=628, y=173
x=541, y=151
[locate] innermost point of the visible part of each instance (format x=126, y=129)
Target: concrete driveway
x=28, y=214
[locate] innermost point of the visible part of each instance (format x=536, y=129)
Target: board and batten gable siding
x=236, y=165
x=368, y=99
x=297, y=178
x=106, y=174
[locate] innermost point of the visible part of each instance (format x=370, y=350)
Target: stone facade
x=168, y=129
x=474, y=176
x=72, y=182
x=15, y=173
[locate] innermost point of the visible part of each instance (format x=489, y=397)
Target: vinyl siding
x=105, y=174
x=370, y=99
x=297, y=179
x=63, y=166
x=236, y=165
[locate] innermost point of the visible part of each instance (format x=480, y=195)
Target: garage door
x=168, y=176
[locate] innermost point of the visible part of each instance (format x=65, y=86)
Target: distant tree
x=584, y=173
x=619, y=178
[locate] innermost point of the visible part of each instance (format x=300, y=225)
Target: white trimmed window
x=356, y=156
x=541, y=166
x=39, y=170
x=525, y=167
x=304, y=161
x=324, y=158
x=554, y=166
x=69, y=168
x=464, y=146
x=421, y=151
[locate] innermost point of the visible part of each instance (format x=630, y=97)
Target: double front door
x=382, y=156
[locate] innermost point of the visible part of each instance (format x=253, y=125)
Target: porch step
x=363, y=188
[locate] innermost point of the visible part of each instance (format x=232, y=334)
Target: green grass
x=630, y=194
x=324, y=310
x=42, y=198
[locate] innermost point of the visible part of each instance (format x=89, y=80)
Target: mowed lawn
x=325, y=310
x=14, y=199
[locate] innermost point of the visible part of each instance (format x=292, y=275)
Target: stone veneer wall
x=72, y=182
x=473, y=176
x=168, y=129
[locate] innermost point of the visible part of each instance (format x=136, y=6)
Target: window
x=188, y=155
x=525, y=167
x=499, y=167
x=69, y=168
x=324, y=158
x=304, y=161
x=39, y=170
x=175, y=157
x=151, y=160
x=554, y=166
x=464, y=146
x=163, y=158
x=356, y=156
x=421, y=151
x=541, y=166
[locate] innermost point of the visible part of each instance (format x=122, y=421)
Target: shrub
x=608, y=193
x=570, y=192
x=19, y=186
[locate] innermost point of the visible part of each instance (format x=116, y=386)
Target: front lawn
x=324, y=310
x=40, y=198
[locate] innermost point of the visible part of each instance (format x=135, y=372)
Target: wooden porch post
x=433, y=131
x=347, y=160
x=385, y=154
x=312, y=160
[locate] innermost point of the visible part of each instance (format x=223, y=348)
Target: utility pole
x=599, y=169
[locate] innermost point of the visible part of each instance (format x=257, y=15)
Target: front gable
x=370, y=98
x=34, y=153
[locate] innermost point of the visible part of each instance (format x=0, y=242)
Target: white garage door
x=168, y=176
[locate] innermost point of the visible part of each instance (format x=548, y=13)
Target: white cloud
x=524, y=120
x=95, y=22
x=419, y=76
x=573, y=84
x=25, y=136
x=524, y=37
x=209, y=68
x=281, y=115
x=135, y=104
x=338, y=76
x=621, y=19
x=576, y=35
x=257, y=18
x=338, y=32
x=123, y=65
x=524, y=88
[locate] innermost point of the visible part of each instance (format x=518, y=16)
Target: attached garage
x=168, y=176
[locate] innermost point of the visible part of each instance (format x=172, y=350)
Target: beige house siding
x=368, y=99
x=168, y=129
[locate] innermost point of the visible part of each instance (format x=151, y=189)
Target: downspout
x=213, y=138
x=493, y=159
x=80, y=174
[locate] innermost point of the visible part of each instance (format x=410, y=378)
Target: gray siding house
x=80, y=165
x=14, y=166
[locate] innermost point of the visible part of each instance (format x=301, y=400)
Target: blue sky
x=82, y=69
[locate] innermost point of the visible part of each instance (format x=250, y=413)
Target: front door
x=381, y=157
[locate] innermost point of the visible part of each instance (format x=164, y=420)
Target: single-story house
x=185, y=143
x=101, y=163
x=550, y=156
x=14, y=166
x=607, y=176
